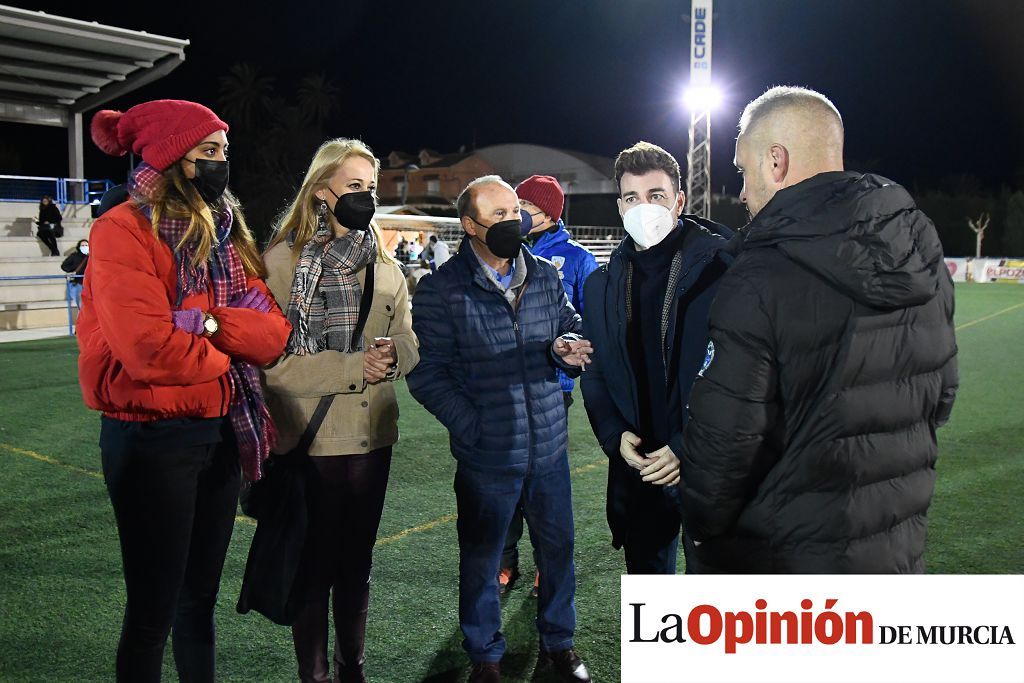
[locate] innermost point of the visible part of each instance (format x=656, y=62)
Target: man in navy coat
x=494, y=323
x=647, y=315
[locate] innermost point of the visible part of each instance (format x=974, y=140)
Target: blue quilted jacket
x=486, y=369
x=574, y=264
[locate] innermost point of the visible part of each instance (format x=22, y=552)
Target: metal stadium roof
x=53, y=68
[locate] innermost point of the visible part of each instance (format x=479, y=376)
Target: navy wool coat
x=609, y=386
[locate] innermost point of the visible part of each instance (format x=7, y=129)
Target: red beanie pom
x=104, y=132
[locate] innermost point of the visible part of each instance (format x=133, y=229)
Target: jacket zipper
x=522, y=366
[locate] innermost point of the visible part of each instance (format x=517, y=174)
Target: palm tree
x=245, y=95
x=317, y=98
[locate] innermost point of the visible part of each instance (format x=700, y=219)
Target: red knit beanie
x=545, y=192
x=161, y=131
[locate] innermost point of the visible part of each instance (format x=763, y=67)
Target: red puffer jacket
x=133, y=363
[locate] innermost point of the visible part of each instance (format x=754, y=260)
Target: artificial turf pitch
x=61, y=593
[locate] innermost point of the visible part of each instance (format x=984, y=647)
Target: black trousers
x=174, y=488
x=510, y=555
x=47, y=236
x=345, y=509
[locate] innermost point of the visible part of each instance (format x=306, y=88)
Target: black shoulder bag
x=272, y=584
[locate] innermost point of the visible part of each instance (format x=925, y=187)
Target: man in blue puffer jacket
x=541, y=201
x=494, y=323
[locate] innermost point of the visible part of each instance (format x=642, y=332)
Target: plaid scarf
x=324, y=304
x=254, y=428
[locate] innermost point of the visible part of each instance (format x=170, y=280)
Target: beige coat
x=363, y=417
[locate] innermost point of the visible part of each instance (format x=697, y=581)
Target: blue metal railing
x=67, y=292
x=24, y=188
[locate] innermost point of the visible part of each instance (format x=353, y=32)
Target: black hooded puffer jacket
x=811, y=441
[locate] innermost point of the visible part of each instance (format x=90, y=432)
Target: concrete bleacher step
x=35, y=304
x=25, y=291
x=17, y=219
x=72, y=233
x=21, y=247
x=35, y=314
x=30, y=265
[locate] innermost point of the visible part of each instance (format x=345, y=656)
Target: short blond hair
x=785, y=97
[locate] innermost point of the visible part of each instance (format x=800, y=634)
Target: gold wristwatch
x=210, y=325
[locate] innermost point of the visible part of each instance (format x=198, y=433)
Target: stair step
x=13, y=266
x=23, y=230
x=21, y=291
x=31, y=247
x=36, y=305
x=34, y=315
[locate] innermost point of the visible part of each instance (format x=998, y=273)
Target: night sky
x=927, y=89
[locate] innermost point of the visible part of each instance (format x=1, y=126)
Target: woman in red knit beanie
x=175, y=323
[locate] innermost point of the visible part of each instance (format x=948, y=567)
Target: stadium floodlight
x=700, y=98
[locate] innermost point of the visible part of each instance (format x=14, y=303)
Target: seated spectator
x=48, y=224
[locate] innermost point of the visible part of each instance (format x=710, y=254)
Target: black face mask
x=504, y=238
x=354, y=210
x=211, y=179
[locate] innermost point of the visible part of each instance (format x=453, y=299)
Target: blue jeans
x=486, y=502
x=75, y=294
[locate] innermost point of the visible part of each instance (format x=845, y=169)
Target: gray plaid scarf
x=324, y=304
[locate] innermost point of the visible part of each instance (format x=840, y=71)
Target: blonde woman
x=324, y=254
x=174, y=323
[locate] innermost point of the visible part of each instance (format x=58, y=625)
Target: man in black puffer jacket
x=832, y=360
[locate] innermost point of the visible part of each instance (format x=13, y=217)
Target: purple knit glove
x=254, y=299
x=189, y=320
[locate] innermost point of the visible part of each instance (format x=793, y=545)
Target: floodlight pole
x=698, y=158
x=698, y=161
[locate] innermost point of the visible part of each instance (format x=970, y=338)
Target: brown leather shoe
x=566, y=664
x=485, y=672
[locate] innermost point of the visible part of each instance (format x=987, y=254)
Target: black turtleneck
x=643, y=335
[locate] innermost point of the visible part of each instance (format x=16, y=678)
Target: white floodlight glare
x=702, y=98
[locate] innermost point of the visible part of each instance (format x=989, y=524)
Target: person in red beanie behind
x=541, y=201
x=174, y=325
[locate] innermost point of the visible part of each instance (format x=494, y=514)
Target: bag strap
x=314, y=423
x=325, y=401
x=364, y=305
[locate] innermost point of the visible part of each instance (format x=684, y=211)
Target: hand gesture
x=574, y=352
x=378, y=360
x=628, y=444
x=661, y=467
x=189, y=320
x=253, y=299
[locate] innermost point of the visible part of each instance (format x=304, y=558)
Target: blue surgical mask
x=527, y=218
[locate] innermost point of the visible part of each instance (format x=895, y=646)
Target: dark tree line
x=273, y=136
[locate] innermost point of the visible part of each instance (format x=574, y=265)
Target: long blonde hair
x=176, y=197
x=300, y=218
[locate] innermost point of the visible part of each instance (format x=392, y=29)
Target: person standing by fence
x=75, y=265
x=175, y=321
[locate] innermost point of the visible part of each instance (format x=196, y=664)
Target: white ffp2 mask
x=648, y=224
